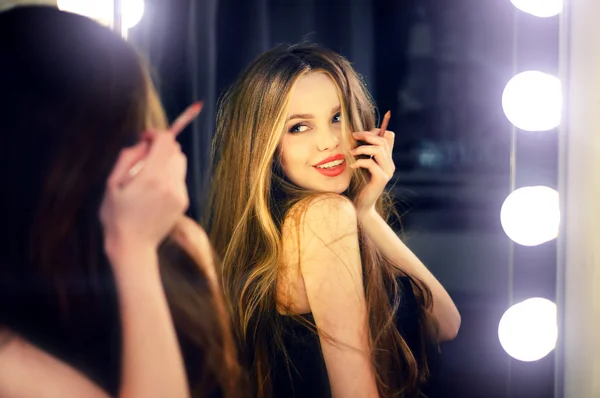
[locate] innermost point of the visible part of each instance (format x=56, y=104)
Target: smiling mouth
x=329, y=165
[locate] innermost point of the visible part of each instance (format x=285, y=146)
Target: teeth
x=331, y=164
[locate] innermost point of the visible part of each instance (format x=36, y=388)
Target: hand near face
x=143, y=211
x=379, y=164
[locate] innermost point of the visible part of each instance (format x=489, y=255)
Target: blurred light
x=98, y=10
x=530, y=216
x=528, y=330
x=102, y=10
x=133, y=11
x=430, y=155
x=532, y=101
x=539, y=8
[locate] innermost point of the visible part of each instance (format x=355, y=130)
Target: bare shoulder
x=327, y=216
x=319, y=235
x=5, y=336
x=328, y=254
x=27, y=371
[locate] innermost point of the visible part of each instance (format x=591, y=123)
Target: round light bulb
x=132, y=12
x=98, y=10
x=532, y=101
x=528, y=330
x=530, y=216
x=539, y=8
x=103, y=10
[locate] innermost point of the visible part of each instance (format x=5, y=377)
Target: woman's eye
x=298, y=128
x=337, y=118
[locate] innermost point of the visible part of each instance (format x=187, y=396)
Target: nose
x=327, y=139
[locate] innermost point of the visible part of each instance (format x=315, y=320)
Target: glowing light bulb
x=539, y=8
x=530, y=216
x=132, y=12
x=528, y=330
x=103, y=10
x=532, y=101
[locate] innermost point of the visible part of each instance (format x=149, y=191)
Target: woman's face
x=313, y=151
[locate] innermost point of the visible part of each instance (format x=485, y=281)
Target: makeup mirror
x=475, y=100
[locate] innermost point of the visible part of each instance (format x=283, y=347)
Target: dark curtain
x=179, y=40
x=198, y=47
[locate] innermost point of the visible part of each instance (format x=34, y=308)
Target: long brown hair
x=250, y=198
x=72, y=95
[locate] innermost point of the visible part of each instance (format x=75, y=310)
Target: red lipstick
x=339, y=156
x=332, y=171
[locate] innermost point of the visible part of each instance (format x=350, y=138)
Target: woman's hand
x=380, y=165
x=141, y=211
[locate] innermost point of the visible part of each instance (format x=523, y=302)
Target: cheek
x=294, y=153
x=290, y=162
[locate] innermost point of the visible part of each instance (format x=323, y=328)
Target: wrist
x=120, y=247
x=134, y=267
x=366, y=215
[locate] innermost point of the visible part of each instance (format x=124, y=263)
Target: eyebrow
x=310, y=116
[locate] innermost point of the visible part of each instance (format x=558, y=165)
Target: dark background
x=440, y=66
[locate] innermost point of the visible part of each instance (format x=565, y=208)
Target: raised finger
x=162, y=148
x=126, y=160
x=389, y=137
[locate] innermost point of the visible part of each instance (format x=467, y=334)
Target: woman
x=325, y=298
x=106, y=289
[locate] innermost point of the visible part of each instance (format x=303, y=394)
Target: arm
x=332, y=273
x=137, y=214
x=152, y=361
x=28, y=372
x=152, y=365
x=380, y=165
x=444, y=311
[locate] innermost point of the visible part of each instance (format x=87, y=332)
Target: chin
x=334, y=187
x=340, y=190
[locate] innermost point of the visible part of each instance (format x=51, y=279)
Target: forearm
x=444, y=311
x=152, y=362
